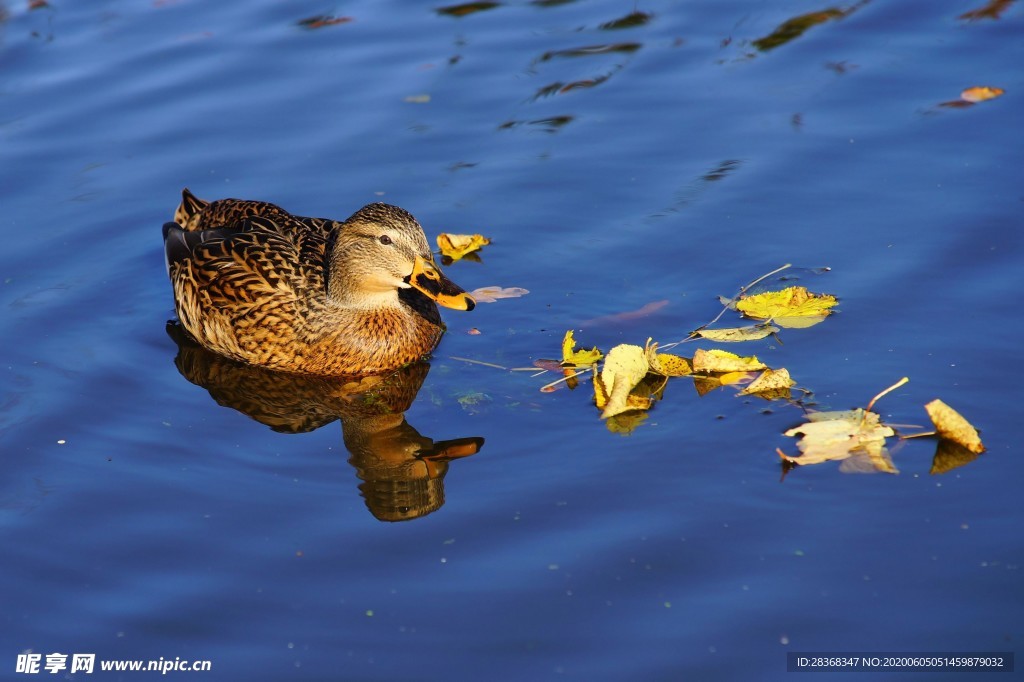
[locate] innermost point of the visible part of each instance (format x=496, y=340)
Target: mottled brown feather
x=251, y=283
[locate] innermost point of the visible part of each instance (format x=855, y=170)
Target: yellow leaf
x=624, y=368
x=798, y=322
x=954, y=427
x=666, y=364
x=455, y=246
x=577, y=358
x=723, y=361
x=772, y=383
x=736, y=334
x=790, y=302
x=980, y=93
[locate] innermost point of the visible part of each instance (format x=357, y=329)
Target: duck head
x=381, y=249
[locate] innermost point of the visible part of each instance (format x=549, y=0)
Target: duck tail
x=190, y=206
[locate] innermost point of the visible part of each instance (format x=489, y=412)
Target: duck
x=263, y=287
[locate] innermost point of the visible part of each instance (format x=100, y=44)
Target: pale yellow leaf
x=771, y=382
x=798, y=322
x=841, y=435
x=715, y=360
x=624, y=367
x=492, y=294
x=952, y=426
x=737, y=334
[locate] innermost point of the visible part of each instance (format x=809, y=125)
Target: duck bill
x=427, y=278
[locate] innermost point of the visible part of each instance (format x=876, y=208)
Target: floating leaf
x=736, y=334
x=577, y=358
x=706, y=361
x=492, y=294
x=624, y=367
x=790, y=302
x=841, y=435
x=455, y=246
x=771, y=384
x=666, y=364
x=951, y=426
x=980, y=93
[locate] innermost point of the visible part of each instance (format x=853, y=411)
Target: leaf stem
x=735, y=298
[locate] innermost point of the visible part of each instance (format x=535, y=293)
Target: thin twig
x=727, y=306
x=545, y=387
x=478, y=362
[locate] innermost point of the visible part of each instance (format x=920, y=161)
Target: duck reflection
x=401, y=472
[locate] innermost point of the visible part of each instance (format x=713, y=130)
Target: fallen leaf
x=951, y=426
x=473, y=332
x=455, y=246
x=841, y=435
x=980, y=93
x=492, y=294
x=624, y=367
x=790, y=302
x=736, y=334
x=577, y=358
x=666, y=364
x=771, y=384
x=707, y=361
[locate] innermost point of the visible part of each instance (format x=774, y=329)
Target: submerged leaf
x=492, y=294
x=715, y=360
x=577, y=358
x=790, y=302
x=952, y=426
x=455, y=246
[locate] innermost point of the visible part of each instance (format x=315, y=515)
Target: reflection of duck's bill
x=428, y=279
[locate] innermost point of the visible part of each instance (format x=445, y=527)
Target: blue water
x=691, y=151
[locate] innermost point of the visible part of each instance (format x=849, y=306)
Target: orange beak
x=427, y=278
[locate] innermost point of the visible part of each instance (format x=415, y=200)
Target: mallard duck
x=257, y=284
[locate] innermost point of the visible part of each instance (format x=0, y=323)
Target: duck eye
x=385, y=240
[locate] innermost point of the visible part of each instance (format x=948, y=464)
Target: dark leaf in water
x=467, y=8
x=993, y=10
x=631, y=20
x=323, y=20
x=590, y=50
x=795, y=27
